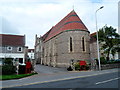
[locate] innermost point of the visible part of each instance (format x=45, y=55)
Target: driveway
x=49, y=70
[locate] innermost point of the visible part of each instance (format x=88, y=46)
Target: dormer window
x=19, y=49
x=9, y=48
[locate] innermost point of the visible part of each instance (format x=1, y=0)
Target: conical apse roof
x=70, y=22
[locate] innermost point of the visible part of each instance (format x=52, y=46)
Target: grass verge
x=10, y=77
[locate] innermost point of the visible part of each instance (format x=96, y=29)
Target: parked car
x=117, y=60
x=113, y=61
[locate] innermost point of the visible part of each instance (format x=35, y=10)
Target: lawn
x=9, y=77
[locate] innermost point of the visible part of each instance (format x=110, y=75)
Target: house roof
x=70, y=22
x=29, y=50
x=93, y=34
x=92, y=37
x=12, y=40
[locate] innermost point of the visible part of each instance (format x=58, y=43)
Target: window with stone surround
x=71, y=46
x=83, y=43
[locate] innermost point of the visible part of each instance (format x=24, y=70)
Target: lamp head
x=101, y=7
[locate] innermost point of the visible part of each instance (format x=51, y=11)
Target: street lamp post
x=97, y=38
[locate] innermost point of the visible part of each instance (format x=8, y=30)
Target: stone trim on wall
x=67, y=31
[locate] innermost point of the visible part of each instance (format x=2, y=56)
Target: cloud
x=104, y=16
x=119, y=17
x=7, y=27
x=32, y=17
x=0, y=24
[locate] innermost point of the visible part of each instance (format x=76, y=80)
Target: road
x=108, y=80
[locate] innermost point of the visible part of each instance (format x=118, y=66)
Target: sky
x=31, y=17
x=119, y=17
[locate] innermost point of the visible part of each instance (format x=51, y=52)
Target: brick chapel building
x=69, y=39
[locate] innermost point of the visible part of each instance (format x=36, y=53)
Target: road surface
x=109, y=80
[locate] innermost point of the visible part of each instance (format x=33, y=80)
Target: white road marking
x=59, y=79
x=107, y=81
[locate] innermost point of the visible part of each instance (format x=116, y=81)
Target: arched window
x=71, y=47
x=83, y=43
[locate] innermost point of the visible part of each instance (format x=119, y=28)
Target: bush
x=84, y=67
x=8, y=69
x=87, y=67
x=77, y=66
x=103, y=60
x=8, y=61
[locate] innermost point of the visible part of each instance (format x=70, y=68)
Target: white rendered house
x=12, y=46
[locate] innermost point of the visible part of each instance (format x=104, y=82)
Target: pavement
x=50, y=74
x=48, y=69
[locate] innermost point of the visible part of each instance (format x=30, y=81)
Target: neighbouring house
x=67, y=40
x=31, y=54
x=12, y=46
x=38, y=50
x=93, y=46
x=32, y=57
x=93, y=49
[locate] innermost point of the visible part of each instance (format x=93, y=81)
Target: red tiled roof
x=93, y=34
x=45, y=35
x=70, y=22
x=29, y=50
x=92, y=37
x=12, y=40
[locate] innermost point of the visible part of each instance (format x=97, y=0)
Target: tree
x=110, y=40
